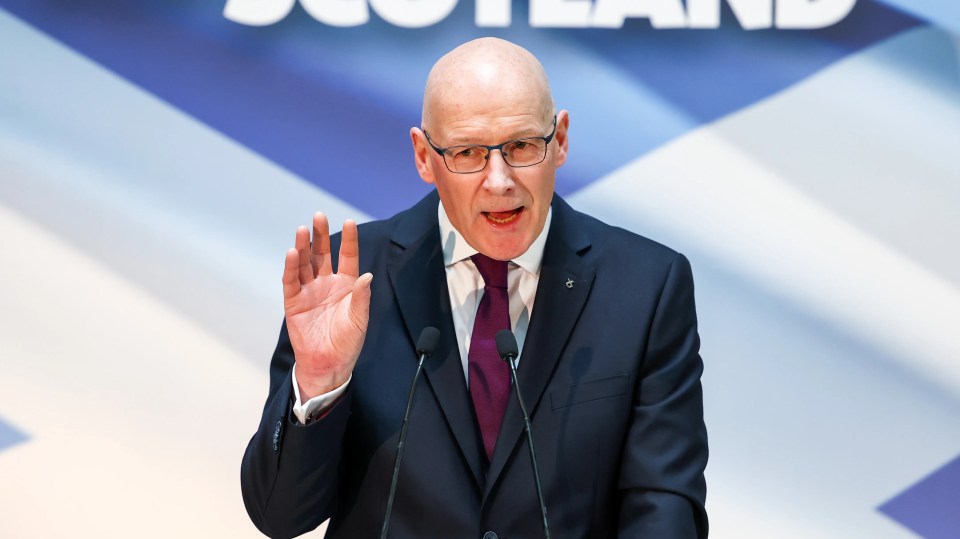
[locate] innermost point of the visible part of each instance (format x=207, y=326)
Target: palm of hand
x=326, y=313
x=322, y=328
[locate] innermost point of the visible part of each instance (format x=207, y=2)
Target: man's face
x=500, y=210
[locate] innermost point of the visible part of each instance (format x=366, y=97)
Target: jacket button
x=490, y=535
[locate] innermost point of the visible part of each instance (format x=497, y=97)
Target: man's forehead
x=489, y=117
x=482, y=135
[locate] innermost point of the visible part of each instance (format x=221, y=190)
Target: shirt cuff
x=315, y=407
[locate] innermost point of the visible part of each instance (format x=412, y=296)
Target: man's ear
x=563, y=124
x=421, y=154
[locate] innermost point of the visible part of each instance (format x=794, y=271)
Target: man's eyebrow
x=522, y=133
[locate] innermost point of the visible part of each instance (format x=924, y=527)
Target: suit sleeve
x=289, y=472
x=665, y=455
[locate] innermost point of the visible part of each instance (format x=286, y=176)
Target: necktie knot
x=494, y=272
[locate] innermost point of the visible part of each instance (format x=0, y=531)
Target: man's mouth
x=503, y=217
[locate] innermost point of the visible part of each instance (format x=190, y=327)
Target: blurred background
x=156, y=158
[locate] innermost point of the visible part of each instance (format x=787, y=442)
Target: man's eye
x=465, y=152
x=520, y=145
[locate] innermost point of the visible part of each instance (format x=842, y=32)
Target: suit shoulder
x=615, y=243
x=404, y=226
x=379, y=229
x=631, y=265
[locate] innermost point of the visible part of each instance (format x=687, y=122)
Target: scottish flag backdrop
x=156, y=157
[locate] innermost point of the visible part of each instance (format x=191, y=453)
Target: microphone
x=425, y=345
x=507, y=348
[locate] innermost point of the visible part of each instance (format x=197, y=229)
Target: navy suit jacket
x=610, y=373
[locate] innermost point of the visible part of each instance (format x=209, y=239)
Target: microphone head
x=507, y=345
x=427, y=341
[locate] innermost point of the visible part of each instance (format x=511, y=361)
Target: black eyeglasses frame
x=443, y=151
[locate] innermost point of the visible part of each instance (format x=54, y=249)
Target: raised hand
x=327, y=313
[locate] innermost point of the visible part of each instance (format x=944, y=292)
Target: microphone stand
x=507, y=348
x=425, y=345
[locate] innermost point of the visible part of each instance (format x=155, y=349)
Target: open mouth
x=503, y=217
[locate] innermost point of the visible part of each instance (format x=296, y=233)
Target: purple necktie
x=489, y=375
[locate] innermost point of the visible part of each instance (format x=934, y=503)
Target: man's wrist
x=313, y=385
x=306, y=410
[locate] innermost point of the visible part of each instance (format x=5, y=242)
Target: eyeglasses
x=523, y=152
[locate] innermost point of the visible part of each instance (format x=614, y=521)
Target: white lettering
x=560, y=13
x=338, y=12
x=662, y=13
x=751, y=14
x=413, y=13
x=807, y=14
x=257, y=12
x=493, y=13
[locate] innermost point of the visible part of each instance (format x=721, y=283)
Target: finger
x=291, y=274
x=305, y=270
x=320, y=249
x=360, y=302
x=349, y=263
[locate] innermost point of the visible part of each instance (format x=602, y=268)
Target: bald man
x=609, y=366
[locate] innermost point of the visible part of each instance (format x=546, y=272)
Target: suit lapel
x=419, y=281
x=563, y=288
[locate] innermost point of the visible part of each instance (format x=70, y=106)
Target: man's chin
x=505, y=250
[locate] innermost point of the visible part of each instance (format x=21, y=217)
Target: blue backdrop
x=155, y=159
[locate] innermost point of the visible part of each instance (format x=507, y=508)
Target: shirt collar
x=456, y=248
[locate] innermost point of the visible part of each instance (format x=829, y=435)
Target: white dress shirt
x=466, y=288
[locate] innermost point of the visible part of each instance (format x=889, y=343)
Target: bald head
x=485, y=76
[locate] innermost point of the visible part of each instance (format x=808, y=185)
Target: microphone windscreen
x=507, y=344
x=427, y=341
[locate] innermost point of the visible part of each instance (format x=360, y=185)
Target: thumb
x=360, y=301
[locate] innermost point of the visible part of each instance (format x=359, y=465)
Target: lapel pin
x=569, y=283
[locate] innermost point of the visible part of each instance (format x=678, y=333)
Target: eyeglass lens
x=517, y=153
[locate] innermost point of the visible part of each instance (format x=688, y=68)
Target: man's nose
x=499, y=177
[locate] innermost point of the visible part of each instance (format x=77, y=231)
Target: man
x=609, y=369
